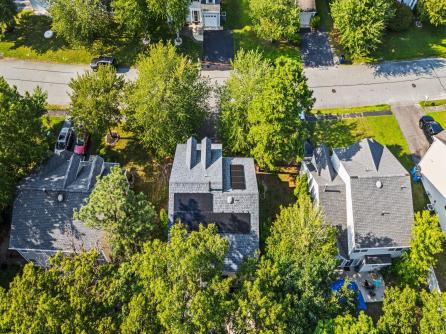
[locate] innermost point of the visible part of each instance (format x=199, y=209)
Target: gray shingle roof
x=368, y=158
x=41, y=221
x=381, y=194
x=200, y=192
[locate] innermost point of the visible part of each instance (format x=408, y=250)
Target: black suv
x=429, y=127
x=103, y=60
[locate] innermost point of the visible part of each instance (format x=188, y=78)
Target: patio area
x=375, y=291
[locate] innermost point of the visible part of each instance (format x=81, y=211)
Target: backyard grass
x=440, y=117
x=237, y=13
x=384, y=129
x=27, y=42
x=338, y=111
x=152, y=176
x=433, y=103
x=275, y=190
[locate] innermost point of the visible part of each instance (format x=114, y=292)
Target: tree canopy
x=261, y=105
x=74, y=295
x=96, y=100
x=22, y=139
x=8, y=11
x=81, y=22
x=361, y=24
x=168, y=102
x=427, y=242
x=127, y=217
x=275, y=20
x=434, y=11
x=247, y=80
x=276, y=131
x=288, y=289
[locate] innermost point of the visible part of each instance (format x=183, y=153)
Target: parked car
x=103, y=60
x=65, y=138
x=429, y=127
x=82, y=144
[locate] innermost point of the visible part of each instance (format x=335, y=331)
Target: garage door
x=211, y=20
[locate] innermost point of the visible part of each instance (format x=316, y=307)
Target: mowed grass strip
x=353, y=110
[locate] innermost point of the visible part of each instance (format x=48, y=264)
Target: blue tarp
x=339, y=283
x=416, y=177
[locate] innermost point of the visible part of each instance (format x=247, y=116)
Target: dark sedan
x=103, y=60
x=430, y=127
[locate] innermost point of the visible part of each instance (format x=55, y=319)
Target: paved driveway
x=408, y=117
x=315, y=49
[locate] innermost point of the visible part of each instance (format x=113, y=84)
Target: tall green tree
x=175, y=11
x=275, y=20
x=96, y=100
x=290, y=289
x=247, y=80
x=427, y=242
x=129, y=218
x=347, y=324
x=135, y=17
x=168, y=102
x=434, y=312
x=434, y=11
x=183, y=280
x=361, y=24
x=8, y=11
x=22, y=139
x=81, y=22
x=400, y=306
x=276, y=131
x=74, y=295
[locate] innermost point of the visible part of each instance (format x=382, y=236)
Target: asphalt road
x=52, y=78
x=389, y=82
x=337, y=86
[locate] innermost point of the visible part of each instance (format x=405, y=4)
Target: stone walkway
x=408, y=117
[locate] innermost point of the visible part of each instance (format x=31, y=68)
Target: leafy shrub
x=315, y=21
x=403, y=17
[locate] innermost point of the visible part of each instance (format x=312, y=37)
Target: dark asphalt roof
x=218, y=46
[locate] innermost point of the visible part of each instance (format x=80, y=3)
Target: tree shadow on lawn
x=29, y=33
x=334, y=134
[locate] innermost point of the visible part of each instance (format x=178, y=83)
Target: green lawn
x=379, y=107
x=275, y=190
x=237, y=13
x=414, y=43
x=27, y=42
x=433, y=103
x=440, y=117
x=384, y=129
x=152, y=177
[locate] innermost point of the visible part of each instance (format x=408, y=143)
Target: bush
x=315, y=21
x=403, y=17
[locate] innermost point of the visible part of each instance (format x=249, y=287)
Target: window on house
x=391, y=249
x=398, y=249
x=364, y=250
x=356, y=251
